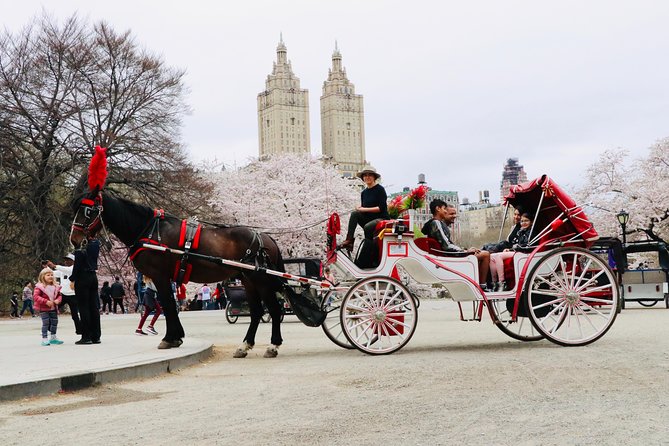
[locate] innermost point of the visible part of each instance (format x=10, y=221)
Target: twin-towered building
x=283, y=115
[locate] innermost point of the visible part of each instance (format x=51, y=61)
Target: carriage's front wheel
x=378, y=315
x=572, y=296
x=330, y=304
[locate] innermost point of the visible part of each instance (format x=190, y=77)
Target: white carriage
x=560, y=289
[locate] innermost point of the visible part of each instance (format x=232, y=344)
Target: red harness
x=187, y=241
x=187, y=245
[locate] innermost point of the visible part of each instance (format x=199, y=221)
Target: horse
x=132, y=222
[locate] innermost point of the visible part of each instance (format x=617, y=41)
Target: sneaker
x=55, y=341
x=151, y=330
x=139, y=332
x=45, y=342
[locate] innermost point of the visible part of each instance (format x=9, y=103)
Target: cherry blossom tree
x=289, y=197
x=639, y=186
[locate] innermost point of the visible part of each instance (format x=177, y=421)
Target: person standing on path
x=27, y=298
x=63, y=273
x=105, y=296
x=85, y=278
x=150, y=304
x=117, y=294
x=181, y=296
x=206, y=296
x=47, y=297
x=14, y=301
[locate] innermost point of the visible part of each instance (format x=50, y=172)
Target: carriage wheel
x=378, y=315
x=572, y=296
x=229, y=316
x=331, y=303
x=521, y=329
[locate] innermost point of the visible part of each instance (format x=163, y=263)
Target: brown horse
x=131, y=222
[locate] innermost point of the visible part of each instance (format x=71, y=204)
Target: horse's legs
x=174, y=331
x=256, y=313
x=274, y=308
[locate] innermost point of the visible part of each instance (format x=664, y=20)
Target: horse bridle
x=92, y=216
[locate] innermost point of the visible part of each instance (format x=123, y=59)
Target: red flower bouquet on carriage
x=415, y=199
x=395, y=206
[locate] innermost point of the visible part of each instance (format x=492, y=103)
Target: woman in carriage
x=520, y=239
x=373, y=208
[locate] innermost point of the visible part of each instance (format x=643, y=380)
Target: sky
x=451, y=88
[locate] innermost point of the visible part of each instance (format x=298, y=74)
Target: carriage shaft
x=235, y=264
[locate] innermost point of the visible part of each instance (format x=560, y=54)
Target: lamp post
x=623, y=217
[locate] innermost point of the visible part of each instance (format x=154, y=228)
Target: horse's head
x=88, y=208
x=87, y=218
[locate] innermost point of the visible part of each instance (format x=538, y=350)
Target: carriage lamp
x=623, y=217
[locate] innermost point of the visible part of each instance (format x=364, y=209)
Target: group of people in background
x=208, y=298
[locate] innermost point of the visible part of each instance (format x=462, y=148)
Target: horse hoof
x=169, y=344
x=271, y=353
x=240, y=353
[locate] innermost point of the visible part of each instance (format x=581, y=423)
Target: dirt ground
x=454, y=383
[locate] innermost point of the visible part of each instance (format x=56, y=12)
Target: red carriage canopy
x=556, y=213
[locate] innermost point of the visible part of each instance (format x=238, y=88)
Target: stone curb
x=79, y=381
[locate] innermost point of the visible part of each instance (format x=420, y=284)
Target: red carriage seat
x=428, y=244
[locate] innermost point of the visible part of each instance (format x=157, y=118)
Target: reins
x=274, y=230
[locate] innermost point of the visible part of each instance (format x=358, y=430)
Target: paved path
x=30, y=369
x=454, y=383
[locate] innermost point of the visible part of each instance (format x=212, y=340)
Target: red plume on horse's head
x=97, y=170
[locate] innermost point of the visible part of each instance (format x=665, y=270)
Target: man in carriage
x=443, y=215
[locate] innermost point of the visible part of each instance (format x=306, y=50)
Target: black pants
x=106, y=304
x=367, y=220
x=119, y=301
x=86, y=290
x=71, y=302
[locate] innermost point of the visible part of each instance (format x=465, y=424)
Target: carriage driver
x=372, y=209
x=443, y=215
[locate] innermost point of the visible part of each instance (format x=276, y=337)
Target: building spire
x=281, y=51
x=336, y=59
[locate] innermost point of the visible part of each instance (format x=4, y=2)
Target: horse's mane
x=133, y=208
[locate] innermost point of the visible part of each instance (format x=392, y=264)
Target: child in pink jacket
x=47, y=297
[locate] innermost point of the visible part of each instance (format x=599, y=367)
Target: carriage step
x=476, y=312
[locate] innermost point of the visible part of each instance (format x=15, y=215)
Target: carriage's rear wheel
x=378, y=315
x=521, y=329
x=330, y=303
x=572, y=296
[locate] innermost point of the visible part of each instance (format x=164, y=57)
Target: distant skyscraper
x=342, y=120
x=283, y=110
x=512, y=174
